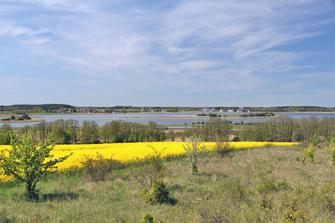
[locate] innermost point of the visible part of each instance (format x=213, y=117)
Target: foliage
x=28, y=162
x=314, y=140
x=226, y=192
x=333, y=155
x=118, y=131
x=279, y=129
x=331, y=149
x=6, y=134
x=148, y=218
x=128, y=152
x=99, y=168
x=215, y=129
x=284, y=129
x=309, y=154
x=4, y=218
x=153, y=170
x=270, y=184
x=69, y=132
x=59, y=131
x=89, y=132
x=193, y=151
x=160, y=194
x=223, y=148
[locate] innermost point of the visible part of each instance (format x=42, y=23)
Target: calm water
x=172, y=119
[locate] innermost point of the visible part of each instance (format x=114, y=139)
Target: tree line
x=281, y=129
x=70, y=132
x=284, y=129
x=216, y=129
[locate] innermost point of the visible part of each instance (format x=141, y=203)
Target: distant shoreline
x=32, y=120
x=102, y=113
x=36, y=117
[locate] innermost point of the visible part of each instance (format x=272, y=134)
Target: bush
x=148, y=219
x=29, y=162
x=193, y=152
x=160, y=194
x=315, y=140
x=234, y=191
x=4, y=218
x=6, y=133
x=223, y=148
x=333, y=156
x=152, y=171
x=271, y=184
x=99, y=168
x=331, y=149
x=309, y=154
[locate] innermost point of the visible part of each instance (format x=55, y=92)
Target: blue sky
x=169, y=52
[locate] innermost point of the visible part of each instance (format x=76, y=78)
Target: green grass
x=260, y=185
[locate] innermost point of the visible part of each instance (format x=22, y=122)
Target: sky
x=167, y=52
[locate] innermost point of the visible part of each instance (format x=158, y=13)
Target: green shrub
x=223, y=148
x=160, y=194
x=148, y=218
x=29, y=162
x=4, y=218
x=153, y=170
x=99, y=168
x=271, y=184
x=315, y=140
x=331, y=149
x=234, y=190
x=193, y=152
x=309, y=154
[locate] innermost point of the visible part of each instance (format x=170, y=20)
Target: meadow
x=128, y=152
x=257, y=185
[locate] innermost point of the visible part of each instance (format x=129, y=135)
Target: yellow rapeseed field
x=126, y=152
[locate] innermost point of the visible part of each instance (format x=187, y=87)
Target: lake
x=173, y=120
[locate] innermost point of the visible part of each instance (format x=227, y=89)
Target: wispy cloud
x=188, y=42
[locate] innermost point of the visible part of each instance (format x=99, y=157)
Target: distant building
x=205, y=110
x=242, y=109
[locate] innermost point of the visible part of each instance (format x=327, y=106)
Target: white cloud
x=229, y=41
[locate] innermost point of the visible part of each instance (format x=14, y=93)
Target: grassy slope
x=229, y=189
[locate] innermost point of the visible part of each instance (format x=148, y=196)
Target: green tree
x=160, y=194
x=59, y=133
x=90, y=133
x=71, y=128
x=41, y=131
x=6, y=133
x=28, y=162
x=215, y=129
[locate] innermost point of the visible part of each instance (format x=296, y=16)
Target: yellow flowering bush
x=126, y=152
